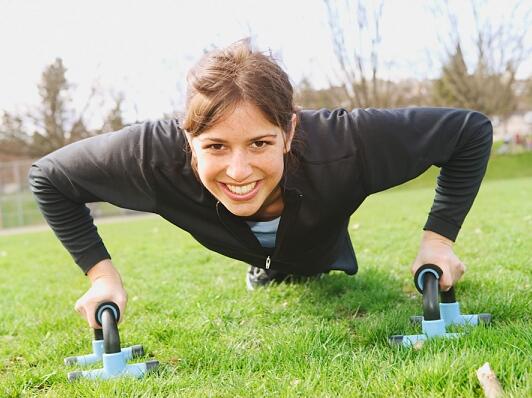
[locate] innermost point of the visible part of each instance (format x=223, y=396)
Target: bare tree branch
x=54, y=123
x=488, y=83
x=356, y=39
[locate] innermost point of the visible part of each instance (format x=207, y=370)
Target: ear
x=290, y=134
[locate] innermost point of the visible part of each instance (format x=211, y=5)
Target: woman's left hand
x=437, y=249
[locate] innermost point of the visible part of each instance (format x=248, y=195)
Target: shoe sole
x=249, y=285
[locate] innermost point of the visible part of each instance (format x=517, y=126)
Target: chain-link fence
x=17, y=205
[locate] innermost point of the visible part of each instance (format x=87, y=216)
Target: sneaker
x=257, y=277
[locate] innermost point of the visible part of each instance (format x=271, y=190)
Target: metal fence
x=17, y=204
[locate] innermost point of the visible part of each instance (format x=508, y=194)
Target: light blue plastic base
x=97, y=352
x=410, y=340
x=115, y=365
x=450, y=313
x=433, y=328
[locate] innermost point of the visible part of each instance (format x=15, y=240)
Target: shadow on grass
x=507, y=304
x=370, y=305
x=367, y=292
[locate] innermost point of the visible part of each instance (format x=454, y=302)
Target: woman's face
x=240, y=160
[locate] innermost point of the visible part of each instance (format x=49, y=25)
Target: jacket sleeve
x=112, y=167
x=397, y=145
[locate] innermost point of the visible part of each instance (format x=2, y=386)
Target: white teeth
x=241, y=190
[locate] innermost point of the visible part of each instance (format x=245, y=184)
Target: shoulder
x=325, y=135
x=155, y=142
x=167, y=128
x=163, y=140
x=163, y=130
x=324, y=118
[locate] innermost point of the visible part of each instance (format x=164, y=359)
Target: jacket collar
x=240, y=229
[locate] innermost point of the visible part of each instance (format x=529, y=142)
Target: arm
x=113, y=167
x=387, y=147
x=398, y=145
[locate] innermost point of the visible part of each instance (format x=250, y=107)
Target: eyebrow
x=222, y=141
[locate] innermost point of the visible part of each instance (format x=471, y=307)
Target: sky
x=143, y=48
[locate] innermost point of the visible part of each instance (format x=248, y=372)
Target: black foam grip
x=431, y=305
x=111, y=338
x=424, y=267
x=98, y=334
x=448, y=296
x=97, y=314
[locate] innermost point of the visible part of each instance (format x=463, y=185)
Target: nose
x=239, y=168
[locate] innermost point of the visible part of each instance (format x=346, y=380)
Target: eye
x=215, y=147
x=260, y=144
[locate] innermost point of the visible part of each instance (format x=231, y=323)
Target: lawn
x=189, y=308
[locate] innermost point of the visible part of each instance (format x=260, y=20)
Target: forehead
x=244, y=122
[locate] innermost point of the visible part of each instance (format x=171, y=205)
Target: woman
x=253, y=178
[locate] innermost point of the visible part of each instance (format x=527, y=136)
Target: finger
x=79, y=308
x=415, y=265
x=91, y=319
x=458, y=271
x=93, y=324
x=82, y=313
x=122, y=314
x=122, y=304
x=445, y=282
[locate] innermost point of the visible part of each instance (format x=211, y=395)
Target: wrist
x=103, y=269
x=430, y=236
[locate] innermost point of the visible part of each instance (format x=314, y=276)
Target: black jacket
x=342, y=157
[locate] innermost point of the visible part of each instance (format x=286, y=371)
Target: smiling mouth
x=241, y=189
x=241, y=192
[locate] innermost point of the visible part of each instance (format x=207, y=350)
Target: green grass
x=19, y=209
x=500, y=167
x=189, y=308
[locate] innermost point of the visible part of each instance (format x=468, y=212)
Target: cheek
x=275, y=163
x=201, y=165
x=207, y=169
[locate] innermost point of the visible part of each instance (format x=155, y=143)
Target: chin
x=242, y=210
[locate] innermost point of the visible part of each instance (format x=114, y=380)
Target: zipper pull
x=268, y=261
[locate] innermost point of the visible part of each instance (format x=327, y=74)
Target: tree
x=307, y=96
x=355, y=29
x=54, y=123
x=490, y=92
x=410, y=92
x=114, y=120
x=488, y=85
x=13, y=137
x=525, y=97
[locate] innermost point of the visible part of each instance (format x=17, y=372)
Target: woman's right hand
x=106, y=286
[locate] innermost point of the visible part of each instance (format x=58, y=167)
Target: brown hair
x=224, y=78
